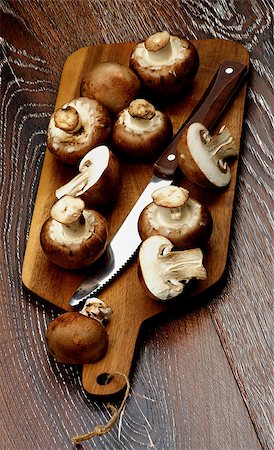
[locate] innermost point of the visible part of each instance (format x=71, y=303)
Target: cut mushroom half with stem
x=180, y=218
x=77, y=127
x=164, y=273
x=203, y=158
x=98, y=182
x=140, y=131
x=166, y=64
x=73, y=237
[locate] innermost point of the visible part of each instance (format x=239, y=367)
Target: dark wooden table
x=203, y=380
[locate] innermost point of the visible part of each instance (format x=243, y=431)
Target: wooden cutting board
x=131, y=306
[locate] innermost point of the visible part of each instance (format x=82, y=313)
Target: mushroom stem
x=159, y=47
x=67, y=119
x=220, y=146
x=184, y=265
x=76, y=185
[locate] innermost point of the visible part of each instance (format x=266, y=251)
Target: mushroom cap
x=71, y=248
x=195, y=160
x=164, y=273
x=94, y=129
x=112, y=84
x=73, y=338
x=189, y=226
x=99, y=180
x=144, y=137
x=172, y=73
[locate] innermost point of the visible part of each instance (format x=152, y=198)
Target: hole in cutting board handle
x=104, y=378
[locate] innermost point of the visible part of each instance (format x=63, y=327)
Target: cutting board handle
x=220, y=91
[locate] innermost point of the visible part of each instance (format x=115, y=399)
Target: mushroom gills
x=166, y=272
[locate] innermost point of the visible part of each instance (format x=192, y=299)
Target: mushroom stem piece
x=202, y=157
x=97, y=309
x=165, y=272
x=67, y=119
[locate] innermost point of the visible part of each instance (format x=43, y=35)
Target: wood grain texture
x=203, y=378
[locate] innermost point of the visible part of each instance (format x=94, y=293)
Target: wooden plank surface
x=130, y=304
x=203, y=378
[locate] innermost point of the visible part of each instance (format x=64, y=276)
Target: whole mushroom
x=202, y=158
x=77, y=337
x=99, y=180
x=164, y=273
x=77, y=127
x=166, y=64
x=74, y=236
x=112, y=84
x=140, y=131
x=173, y=214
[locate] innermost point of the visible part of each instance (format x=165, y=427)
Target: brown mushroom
x=73, y=338
x=76, y=128
x=99, y=180
x=165, y=64
x=173, y=214
x=74, y=236
x=112, y=84
x=164, y=273
x=202, y=158
x=140, y=131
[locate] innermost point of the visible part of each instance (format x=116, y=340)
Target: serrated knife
x=125, y=243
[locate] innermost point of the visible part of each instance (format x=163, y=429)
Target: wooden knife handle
x=220, y=91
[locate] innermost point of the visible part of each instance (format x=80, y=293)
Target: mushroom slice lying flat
x=165, y=64
x=140, y=131
x=164, y=273
x=173, y=214
x=74, y=236
x=202, y=158
x=99, y=180
x=77, y=127
x=112, y=84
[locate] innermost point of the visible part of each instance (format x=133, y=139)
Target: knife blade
x=125, y=243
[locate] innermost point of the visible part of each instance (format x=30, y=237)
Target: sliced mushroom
x=112, y=84
x=173, y=214
x=141, y=132
x=166, y=64
x=164, y=273
x=202, y=158
x=74, y=236
x=99, y=180
x=76, y=128
x=97, y=309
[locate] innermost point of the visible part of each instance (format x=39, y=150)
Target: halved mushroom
x=140, y=131
x=99, y=180
x=112, y=84
x=202, y=158
x=166, y=64
x=164, y=273
x=74, y=236
x=173, y=214
x=76, y=128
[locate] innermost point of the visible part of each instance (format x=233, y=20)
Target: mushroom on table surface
x=74, y=236
x=112, y=84
x=76, y=128
x=99, y=180
x=140, y=131
x=202, y=157
x=166, y=64
x=164, y=273
x=173, y=214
